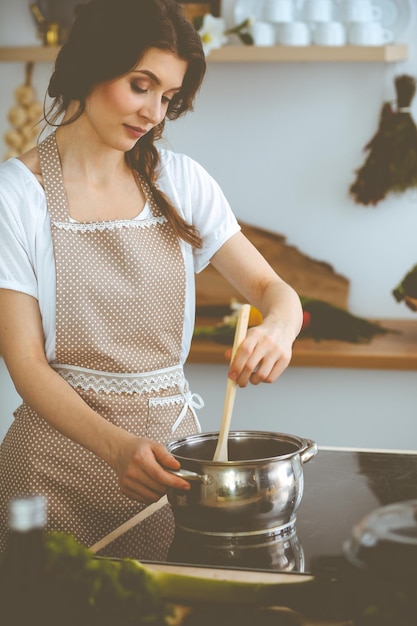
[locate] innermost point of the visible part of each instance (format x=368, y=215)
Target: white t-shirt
x=26, y=252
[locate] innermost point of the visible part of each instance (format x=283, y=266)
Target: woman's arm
x=137, y=462
x=267, y=349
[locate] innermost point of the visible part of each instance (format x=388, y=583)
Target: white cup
x=329, y=34
x=294, y=34
x=318, y=10
x=369, y=34
x=278, y=11
x=263, y=34
x=361, y=11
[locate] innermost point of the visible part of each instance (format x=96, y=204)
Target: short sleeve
x=16, y=260
x=202, y=203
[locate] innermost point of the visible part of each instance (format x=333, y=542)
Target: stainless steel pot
x=259, y=488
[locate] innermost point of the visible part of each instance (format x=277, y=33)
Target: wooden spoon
x=220, y=453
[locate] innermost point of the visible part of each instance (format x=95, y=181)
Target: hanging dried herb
x=406, y=290
x=391, y=165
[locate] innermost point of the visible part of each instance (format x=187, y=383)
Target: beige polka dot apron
x=119, y=319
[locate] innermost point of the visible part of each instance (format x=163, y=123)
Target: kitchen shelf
x=394, y=351
x=35, y=54
x=248, y=54
x=310, y=54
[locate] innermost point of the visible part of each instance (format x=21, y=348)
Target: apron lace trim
x=91, y=227
x=109, y=382
x=145, y=382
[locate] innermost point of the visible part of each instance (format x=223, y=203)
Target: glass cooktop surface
x=340, y=487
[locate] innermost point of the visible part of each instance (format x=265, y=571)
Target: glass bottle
x=22, y=561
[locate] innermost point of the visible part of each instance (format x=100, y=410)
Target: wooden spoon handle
x=133, y=521
x=220, y=453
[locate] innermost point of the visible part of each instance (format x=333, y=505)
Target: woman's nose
x=153, y=110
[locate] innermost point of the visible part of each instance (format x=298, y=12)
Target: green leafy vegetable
x=325, y=321
x=331, y=322
x=73, y=587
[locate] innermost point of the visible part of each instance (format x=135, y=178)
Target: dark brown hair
x=106, y=41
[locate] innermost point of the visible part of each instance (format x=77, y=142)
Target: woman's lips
x=135, y=131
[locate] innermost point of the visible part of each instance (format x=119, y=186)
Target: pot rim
x=302, y=443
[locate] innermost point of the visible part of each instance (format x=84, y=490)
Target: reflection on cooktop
x=340, y=487
x=272, y=550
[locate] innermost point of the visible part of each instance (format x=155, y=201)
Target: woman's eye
x=137, y=89
x=173, y=99
x=166, y=100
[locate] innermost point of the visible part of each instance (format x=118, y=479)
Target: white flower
x=212, y=33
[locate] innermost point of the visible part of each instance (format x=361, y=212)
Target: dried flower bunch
x=391, y=165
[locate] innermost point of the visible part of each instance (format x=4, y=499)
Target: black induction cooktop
x=341, y=486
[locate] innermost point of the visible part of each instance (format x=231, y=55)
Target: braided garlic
x=23, y=117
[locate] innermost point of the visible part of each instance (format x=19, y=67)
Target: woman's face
x=121, y=111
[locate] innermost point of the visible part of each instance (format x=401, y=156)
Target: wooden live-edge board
x=248, y=54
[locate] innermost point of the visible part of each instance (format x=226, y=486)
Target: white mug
x=294, y=34
x=318, y=10
x=329, y=34
x=278, y=11
x=361, y=11
x=369, y=34
x=263, y=34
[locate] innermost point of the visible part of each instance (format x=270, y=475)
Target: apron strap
x=53, y=180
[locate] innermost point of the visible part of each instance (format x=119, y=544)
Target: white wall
x=284, y=140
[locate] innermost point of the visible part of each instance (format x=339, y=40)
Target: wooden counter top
x=394, y=351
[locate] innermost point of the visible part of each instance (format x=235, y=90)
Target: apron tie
x=192, y=401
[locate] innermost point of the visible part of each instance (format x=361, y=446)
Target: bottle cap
x=27, y=513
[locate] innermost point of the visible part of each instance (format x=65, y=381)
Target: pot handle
x=188, y=475
x=309, y=451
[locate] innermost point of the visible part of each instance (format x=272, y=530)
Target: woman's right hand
x=140, y=470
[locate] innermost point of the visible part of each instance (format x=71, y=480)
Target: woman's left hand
x=262, y=356
x=267, y=349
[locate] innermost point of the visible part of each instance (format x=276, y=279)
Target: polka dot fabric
x=118, y=289
x=120, y=307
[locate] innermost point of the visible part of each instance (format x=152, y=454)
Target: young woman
x=101, y=233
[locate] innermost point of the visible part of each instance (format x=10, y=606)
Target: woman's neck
x=84, y=156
